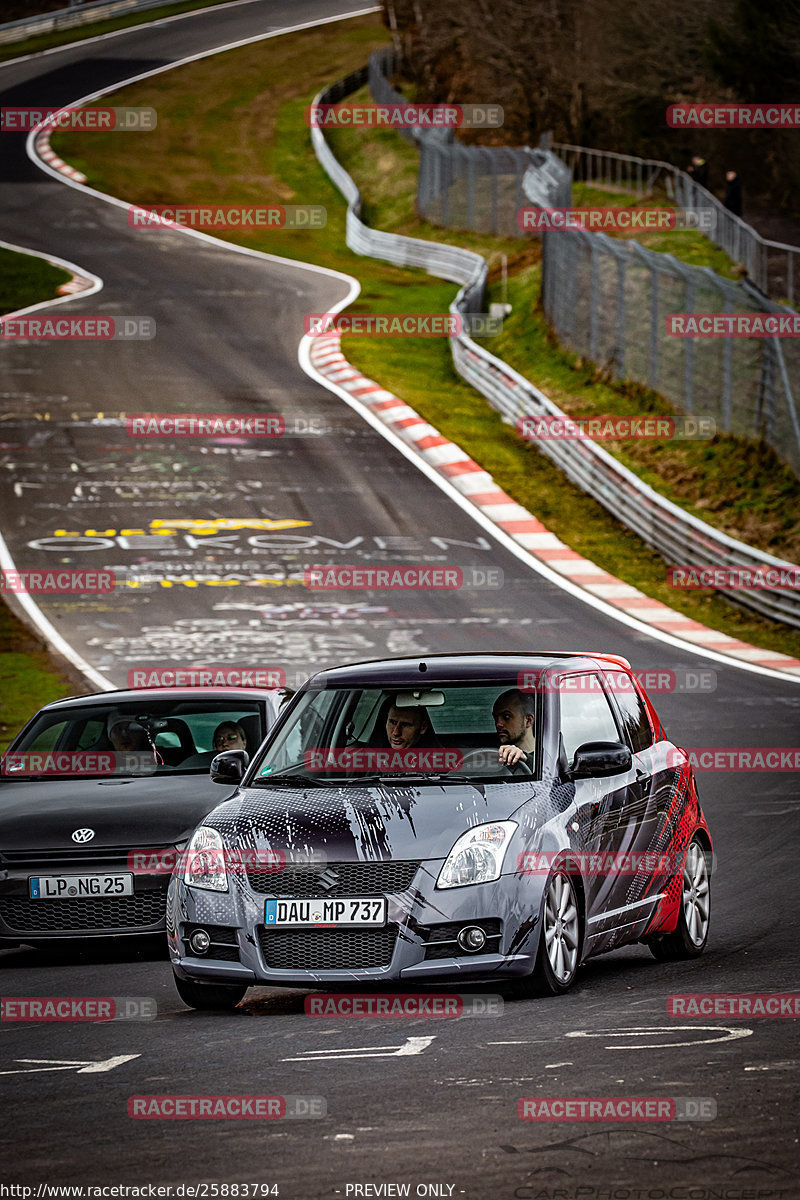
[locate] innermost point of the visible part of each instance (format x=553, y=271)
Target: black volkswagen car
x=464, y=818
x=99, y=795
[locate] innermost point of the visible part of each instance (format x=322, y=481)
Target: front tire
x=219, y=997
x=558, y=954
x=690, y=937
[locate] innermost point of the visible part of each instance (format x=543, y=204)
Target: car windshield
x=138, y=737
x=340, y=735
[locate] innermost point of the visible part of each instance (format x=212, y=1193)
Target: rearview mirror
x=229, y=767
x=594, y=760
x=419, y=699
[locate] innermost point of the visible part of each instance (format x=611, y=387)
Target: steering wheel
x=479, y=757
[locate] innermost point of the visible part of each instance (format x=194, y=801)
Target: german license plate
x=69, y=887
x=352, y=910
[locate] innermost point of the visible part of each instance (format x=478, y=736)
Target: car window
x=168, y=736
x=586, y=715
x=327, y=725
x=635, y=722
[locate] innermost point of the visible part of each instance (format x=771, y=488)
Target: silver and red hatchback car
x=469, y=817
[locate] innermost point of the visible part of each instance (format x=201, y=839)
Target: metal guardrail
x=71, y=18
x=678, y=536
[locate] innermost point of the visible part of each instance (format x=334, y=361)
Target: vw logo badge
x=83, y=835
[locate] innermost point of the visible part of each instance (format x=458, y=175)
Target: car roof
x=141, y=695
x=458, y=668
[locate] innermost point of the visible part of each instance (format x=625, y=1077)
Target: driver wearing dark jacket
x=513, y=719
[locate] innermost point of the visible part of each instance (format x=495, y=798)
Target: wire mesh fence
x=609, y=300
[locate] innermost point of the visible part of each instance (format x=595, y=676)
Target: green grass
x=47, y=41
x=260, y=151
x=28, y=677
x=25, y=280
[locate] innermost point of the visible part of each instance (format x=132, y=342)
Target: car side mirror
x=594, y=760
x=229, y=766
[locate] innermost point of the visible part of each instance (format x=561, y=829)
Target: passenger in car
x=229, y=736
x=513, y=714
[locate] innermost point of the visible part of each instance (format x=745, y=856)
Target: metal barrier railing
x=678, y=536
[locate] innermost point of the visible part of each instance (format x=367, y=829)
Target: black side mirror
x=229, y=766
x=593, y=760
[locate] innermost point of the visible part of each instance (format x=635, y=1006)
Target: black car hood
x=350, y=824
x=150, y=811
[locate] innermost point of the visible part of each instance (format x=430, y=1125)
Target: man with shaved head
x=513, y=719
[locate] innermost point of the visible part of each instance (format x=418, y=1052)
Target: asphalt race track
x=76, y=491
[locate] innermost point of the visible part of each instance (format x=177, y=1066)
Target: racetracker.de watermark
x=78, y=1008
x=734, y=116
x=354, y=759
x=72, y=763
x=228, y=216
x=645, y=427
x=411, y=578
x=403, y=324
x=226, y=1108
x=57, y=582
x=77, y=329
x=744, y=325
x=355, y=1005
x=740, y=579
x=736, y=758
x=734, y=1004
x=617, y=1108
x=615, y=219
x=147, y=861
x=206, y=677
x=653, y=680
x=404, y=116
x=201, y=425
x=23, y=120
x=613, y=862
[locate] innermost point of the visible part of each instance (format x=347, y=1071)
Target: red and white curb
x=48, y=155
x=477, y=486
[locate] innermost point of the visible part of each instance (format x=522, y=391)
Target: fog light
x=472, y=939
x=200, y=941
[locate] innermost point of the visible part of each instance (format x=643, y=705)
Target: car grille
x=84, y=915
x=353, y=879
x=327, y=949
x=224, y=943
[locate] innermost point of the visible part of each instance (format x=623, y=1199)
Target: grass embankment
x=232, y=130
x=26, y=280
x=28, y=677
x=63, y=37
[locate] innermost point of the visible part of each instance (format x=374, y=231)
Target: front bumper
x=405, y=950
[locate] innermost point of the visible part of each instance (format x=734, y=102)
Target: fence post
x=620, y=350
x=688, y=357
x=652, y=375
x=594, y=314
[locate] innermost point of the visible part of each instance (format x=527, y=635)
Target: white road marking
x=81, y=1066
x=412, y=1045
x=729, y=1035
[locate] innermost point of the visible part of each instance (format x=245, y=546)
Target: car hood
x=351, y=824
x=150, y=811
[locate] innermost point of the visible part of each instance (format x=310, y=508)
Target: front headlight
x=477, y=856
x=205, y=861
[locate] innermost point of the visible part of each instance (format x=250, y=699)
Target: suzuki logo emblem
x=328, y=879
x=83, y=835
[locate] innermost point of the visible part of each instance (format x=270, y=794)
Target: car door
x=606, y=807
